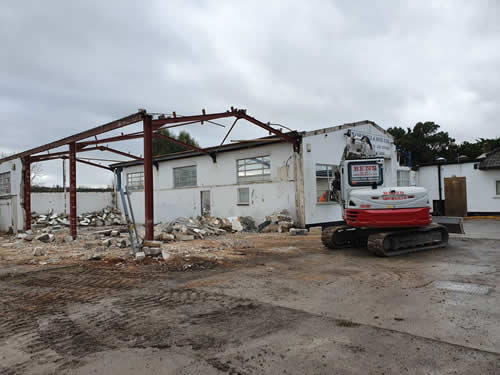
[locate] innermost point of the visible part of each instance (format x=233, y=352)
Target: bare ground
x=251, y=304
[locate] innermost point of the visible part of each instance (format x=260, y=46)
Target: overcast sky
x=67, y=66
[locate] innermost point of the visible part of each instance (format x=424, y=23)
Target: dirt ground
x=251, y=304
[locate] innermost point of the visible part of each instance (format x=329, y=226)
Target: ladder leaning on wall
x=135, y=240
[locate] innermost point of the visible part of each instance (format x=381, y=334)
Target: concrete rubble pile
x=187, y=229
x=107, y=217
x=280, y=222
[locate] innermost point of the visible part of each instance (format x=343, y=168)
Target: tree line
x=426, y=143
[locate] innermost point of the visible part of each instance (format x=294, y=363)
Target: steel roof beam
x=136, y=117
x=94, y=164
x=196, y=118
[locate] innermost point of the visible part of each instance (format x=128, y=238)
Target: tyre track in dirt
x=54, y=319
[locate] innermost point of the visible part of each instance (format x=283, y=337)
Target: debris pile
x=106, y=217
x=187, y=229
x=277, y=222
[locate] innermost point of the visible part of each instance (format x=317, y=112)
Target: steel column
x=27, y=192
x=72, y=189
x=148, y=178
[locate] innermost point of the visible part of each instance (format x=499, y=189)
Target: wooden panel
x=455, y=196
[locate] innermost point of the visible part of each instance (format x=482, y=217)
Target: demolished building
x=256, y=178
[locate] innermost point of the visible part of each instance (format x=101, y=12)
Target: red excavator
x=387, y=221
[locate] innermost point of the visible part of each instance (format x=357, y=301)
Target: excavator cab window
x=365, y=173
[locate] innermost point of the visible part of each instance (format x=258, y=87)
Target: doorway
x=205, y=203
x=455, y=196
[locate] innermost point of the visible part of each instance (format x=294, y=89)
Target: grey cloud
x=67, y=66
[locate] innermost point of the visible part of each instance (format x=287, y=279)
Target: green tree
x=425, y=142
x=162, y=146
x=480, y=146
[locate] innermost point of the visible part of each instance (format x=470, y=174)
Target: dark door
x=455, y=196
x=205, y=203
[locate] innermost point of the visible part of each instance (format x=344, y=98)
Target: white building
x=257, y=178
x=482, y=182
x=11, y=197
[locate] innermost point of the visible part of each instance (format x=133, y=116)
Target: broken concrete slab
x=298, y=232
x=38, y=251
x=152, y=243
x=45, y=237
x=165, y=254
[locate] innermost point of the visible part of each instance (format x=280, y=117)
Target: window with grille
x=185, y=176
x=135, y=181
x=5, y=183
x=244, y=196
x=403, y=178
x=327, y=183
x=254, y=169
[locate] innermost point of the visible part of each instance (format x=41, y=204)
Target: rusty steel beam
x=27, y=193
x=293, y=140
x=94, y=164
x=148, y=178
x=227, y=135
x=72, y=190
x=195, y=118
x=106, y=148
x=136, y=117
x=62, y=154
x=57, y=155
x=211, y=154
x=48, y=158
x=118, y=138
x=160, y=127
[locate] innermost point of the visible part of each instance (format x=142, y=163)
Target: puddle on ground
x=469, y=288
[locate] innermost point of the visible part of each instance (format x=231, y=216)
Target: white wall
x=481, y=184
x=220, y=179
x=327, y=148
x=85, y=202
x=11, y=206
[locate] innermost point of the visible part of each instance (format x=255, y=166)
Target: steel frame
x=151, y=128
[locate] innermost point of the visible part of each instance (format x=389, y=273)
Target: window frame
x=398, y=179
x=136, y=187
x=349, y=174
x=185, y=167
x=328, y=179
x=7, y=183
x=248, y=179
x=497, y=188
x=238, y=200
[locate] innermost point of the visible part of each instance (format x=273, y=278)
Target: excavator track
x=344, y=236
x=406, y=241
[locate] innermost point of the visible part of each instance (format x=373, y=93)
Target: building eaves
x=448, y=163
x=346, y=126
x=190, y=154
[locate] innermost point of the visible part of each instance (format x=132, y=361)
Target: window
x=365, y=173
x=5, y=183
x=327, y=183
x=403, y=178
x=498, y=187
x=135, y=181
x=244, y=196
x=254, y=169
x=185, y=176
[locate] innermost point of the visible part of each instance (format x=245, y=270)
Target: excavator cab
x=387, y=220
